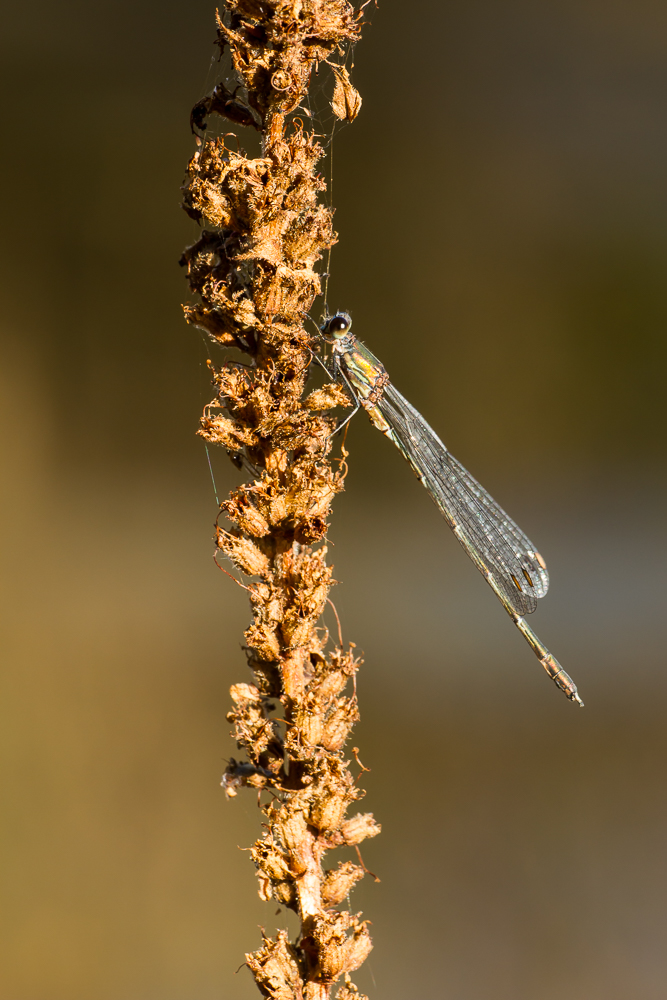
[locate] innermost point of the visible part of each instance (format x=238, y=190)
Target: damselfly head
x=336, y=327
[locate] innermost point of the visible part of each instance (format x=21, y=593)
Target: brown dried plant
x=263, y=230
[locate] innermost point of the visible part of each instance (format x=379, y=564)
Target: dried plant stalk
x=263, y=231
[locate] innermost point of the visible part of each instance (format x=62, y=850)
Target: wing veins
x=497, y=546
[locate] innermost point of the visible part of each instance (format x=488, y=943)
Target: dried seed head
x=276, y=969
x=327, y=398
x=309, y=721
x=243, y=553
x=346, y=102
x=339, y=723
x=292, y=829
x=329, y=806
x=246, y=516
x=339, y=882
x=285, y=893
x=359, y=828
x=272, y=863
x=208, y=321
x=337, y=950
x=252, y=728
x=231, y=434
x=263, y=639
x=244, y=693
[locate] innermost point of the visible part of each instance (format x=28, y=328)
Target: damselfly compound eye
x=338, y=325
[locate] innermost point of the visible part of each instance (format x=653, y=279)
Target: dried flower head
x=263, y=230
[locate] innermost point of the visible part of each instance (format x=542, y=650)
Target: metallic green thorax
x=366, y=375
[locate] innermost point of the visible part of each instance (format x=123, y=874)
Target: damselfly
x=505, y=557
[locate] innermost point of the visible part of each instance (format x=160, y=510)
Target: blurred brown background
x=502, y=208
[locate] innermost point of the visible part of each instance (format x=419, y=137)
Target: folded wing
x=500, y=550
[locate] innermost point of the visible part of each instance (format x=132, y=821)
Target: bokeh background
x=502, y=208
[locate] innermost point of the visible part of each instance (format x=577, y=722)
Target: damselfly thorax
x=365, y=376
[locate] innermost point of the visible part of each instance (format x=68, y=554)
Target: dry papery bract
x=263, y=230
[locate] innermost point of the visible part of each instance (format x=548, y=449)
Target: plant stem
x=263, y=230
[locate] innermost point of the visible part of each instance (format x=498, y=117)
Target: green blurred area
x=501, y=208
